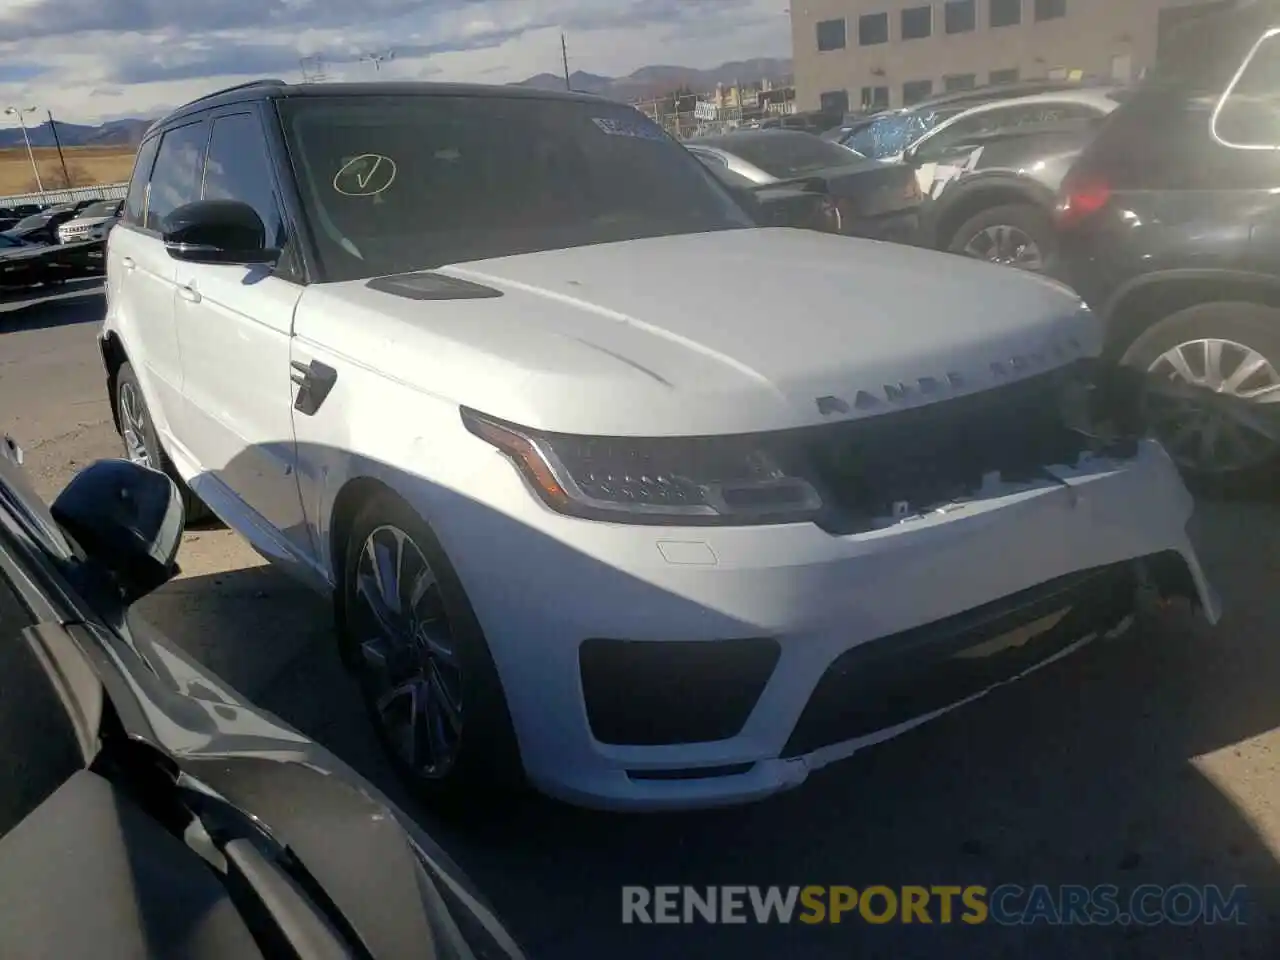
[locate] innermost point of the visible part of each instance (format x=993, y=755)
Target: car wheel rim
x=1232, y=420
x=133, y=425
x=1006, y=245
x=408, y=653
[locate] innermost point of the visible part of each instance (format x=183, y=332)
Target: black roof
x=258, y=90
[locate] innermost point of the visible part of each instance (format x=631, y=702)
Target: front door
x=234, y=326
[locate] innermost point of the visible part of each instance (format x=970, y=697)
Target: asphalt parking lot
x=1147, y=759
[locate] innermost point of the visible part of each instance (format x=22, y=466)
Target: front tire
x=1231, y=352
x=1019, y=235
x=425, y=671
x=142, y=443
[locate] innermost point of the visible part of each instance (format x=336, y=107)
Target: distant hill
x=655, y=81
x=652, y=81
x=113, y=133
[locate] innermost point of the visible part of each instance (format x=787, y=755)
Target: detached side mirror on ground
x=218, y=231
x=128, y=520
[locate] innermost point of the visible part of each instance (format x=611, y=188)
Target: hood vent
x=431, y=286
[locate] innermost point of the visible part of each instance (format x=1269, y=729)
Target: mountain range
x=652, y=81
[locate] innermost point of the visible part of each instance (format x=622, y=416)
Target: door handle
x=314, y=380
x=187, y=292
x=127, y=263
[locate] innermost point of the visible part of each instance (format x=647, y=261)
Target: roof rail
x=240, y=86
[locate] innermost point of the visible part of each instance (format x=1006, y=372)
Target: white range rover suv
x=615, y=492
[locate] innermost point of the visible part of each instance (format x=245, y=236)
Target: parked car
x=870, y=199
x=91, y=223
x=26, y=209
x=1170, y=228
x=803, y=204
x=41, y=227
x=613, y=490
x=7, y=223
x=150, y=802
x=885, y=135
x=24, y=264
x=993, y=173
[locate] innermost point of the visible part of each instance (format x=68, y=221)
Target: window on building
x=1050, y=9
x=1006, y=13
x=917, y=23
x=961, y=15
x=1005, y=76
x=913, y=91
x=835, y=101
x=873, y=28
x=959, y=81
x=875, y=98
x=830, y=35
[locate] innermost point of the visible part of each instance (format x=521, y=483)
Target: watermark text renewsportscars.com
x=1181, y=904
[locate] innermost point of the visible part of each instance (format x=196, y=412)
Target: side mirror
x=128, y=520
x=217, y=231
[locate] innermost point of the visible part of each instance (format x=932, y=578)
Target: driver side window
x=947, y=139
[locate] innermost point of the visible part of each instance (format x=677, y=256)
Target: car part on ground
x=1169, y=227
x=164, y=812
x=548, y=411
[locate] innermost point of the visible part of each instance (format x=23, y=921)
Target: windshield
x=889, y=135
x=8, y=241
x=103, y=208
x=39, y=220
x=401, y=183
x=789, y=154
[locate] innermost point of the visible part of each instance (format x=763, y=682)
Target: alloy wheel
x=133, y=425
x=1005, y=244
x=1234, y=429
x=408, y=653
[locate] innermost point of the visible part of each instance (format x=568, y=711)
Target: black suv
x=1169, y=226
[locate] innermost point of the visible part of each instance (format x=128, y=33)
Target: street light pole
x=35, y=167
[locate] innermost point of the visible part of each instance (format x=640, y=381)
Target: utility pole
x=35, y=167
x=564, y=56
x=57, y=142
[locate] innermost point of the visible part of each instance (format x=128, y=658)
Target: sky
x=95, y=60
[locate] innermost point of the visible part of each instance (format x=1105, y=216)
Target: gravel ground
x=1148, y=759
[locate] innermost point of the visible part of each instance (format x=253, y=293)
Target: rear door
x=140, y=274
x=234, y=324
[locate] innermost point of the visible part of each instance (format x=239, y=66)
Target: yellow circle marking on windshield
x=365, y=176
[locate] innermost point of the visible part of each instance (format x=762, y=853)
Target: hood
x=83, y=222
x=727, y=332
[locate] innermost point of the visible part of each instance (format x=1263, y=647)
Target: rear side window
x=1249, y=115
x=135, y=204
x=176, y=178
x=238, y=168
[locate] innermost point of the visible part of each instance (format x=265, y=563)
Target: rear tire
x=1232, y=351
x=142, y=443
x=425, y=671
x=1019, y=235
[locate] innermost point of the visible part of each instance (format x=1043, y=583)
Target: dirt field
x=86, y=165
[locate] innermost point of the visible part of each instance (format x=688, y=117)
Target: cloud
x=87, y=60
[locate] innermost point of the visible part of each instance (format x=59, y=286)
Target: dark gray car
x=146, y=810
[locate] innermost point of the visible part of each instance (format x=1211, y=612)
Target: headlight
x=689, y=481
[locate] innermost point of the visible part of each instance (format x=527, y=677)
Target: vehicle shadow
x=76, y=302
x=1138, y=760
